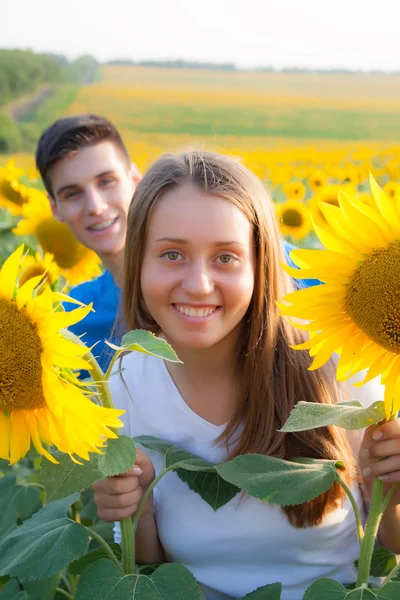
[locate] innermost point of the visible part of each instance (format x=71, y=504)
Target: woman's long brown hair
x=274, y=376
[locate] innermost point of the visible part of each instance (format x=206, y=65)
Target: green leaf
x=210, y=486
x=77, y=567
x=68, y=477
x=43, y=589
x=12, y=591
x=200, y=475
x=382, y=562
x=16, y=501
x=329, y=589
x=391, y=591
x=279, y=481
x=349, y=415
x=140, y=340
x=266, y=592
x=44, y=544
x=104, y=581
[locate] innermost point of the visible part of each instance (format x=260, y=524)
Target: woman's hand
x=119, y=497
x=380, y=457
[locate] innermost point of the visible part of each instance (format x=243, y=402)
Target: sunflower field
x=326, y=147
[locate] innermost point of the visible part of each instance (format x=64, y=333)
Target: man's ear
x=135, y=173
x=54, y=208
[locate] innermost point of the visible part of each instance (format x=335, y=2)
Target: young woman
x=203, y=268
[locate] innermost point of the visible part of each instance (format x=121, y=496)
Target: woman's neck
x=208, y=379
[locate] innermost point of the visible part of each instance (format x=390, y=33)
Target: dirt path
x=19, y=108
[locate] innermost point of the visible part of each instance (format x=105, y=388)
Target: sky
x=323, y=34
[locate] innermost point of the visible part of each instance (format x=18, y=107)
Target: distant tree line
x=184, y=64
x=22, y=72
x=176, y=64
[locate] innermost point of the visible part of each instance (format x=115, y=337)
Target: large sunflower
x=294, y=219
x=75, y=262
x=356, y=313
x=13, y=194
x=41, y=401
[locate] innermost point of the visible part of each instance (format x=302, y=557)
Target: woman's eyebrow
x=185, y=242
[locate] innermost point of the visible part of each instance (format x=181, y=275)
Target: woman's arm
x=148, y=546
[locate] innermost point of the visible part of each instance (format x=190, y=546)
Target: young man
x=90, y=181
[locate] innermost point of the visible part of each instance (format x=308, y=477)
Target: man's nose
x=94, y=202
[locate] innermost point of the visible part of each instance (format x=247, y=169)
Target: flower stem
x=388, y=496
x=360, y=530
x=371, y=530
x=106, y=547
x=64, y=593
x=128, y=546
x=146, y=495
x=100, y=380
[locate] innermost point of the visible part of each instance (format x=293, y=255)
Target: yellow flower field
x=304, y=135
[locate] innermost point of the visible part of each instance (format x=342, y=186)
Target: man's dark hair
x=68, y=135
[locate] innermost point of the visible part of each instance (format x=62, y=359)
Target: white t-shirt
x=245, y=544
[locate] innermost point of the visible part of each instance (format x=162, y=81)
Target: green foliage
x=104, y=581
x=201, y=476
x=147, y=343
x=78, y=566
x=67, y=477
x=349, y=415
x=266, y=592
x=17, y=502
x=279, y=481
x=10, y=136
x=44, y=544
x=12, y=591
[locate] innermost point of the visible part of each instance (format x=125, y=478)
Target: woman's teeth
x=102, y=226
x=192, y=312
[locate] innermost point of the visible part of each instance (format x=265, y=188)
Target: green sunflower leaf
x=140, y=340
x=391, y=591
x=266, y=592
x=44, y=589
x=104, y=581
x=279, y=481
x=44, y=544
x=16, y=501
x=12, y=591
x=78, y=566
x=349, y=415
x=67, y=477
x=329, y=588
x=200, y=475
x=382, y=562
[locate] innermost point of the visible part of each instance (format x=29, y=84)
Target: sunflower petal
x=9, y=273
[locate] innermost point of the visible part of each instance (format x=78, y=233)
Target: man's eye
x=107, y=181
x=71, y=195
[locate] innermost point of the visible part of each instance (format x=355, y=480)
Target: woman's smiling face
x=198, y=268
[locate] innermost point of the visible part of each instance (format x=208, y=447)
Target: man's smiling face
x=92, y=191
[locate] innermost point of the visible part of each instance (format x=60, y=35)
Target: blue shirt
x=100, y=325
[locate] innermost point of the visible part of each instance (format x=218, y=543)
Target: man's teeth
x=103, y=225
x=192, y=312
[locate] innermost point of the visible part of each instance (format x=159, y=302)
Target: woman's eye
x=172, y=255
x=225, y=259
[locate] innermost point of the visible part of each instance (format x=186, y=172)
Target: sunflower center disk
x=292, y=218
x=20, y=364
x=33, y=272
x=12, y=195
x=373, y=297
x=58, y=239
